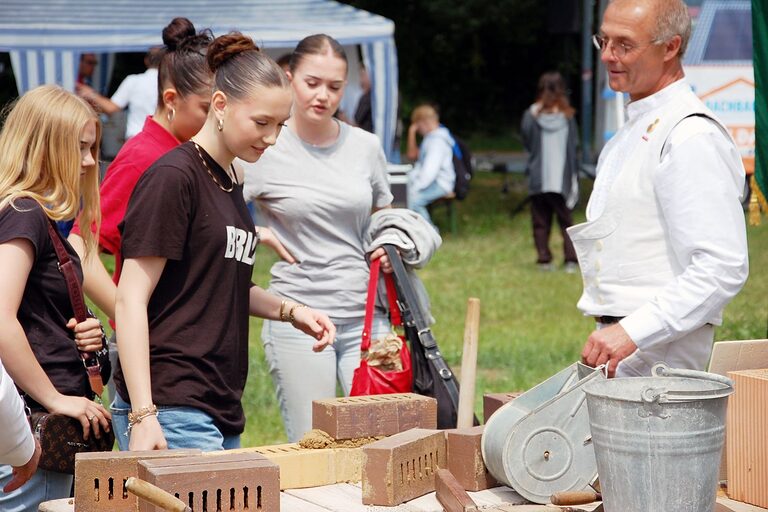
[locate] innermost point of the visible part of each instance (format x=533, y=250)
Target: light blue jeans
x=301, y=376
x=183, y=427
x=419, y=199
x=43, y=486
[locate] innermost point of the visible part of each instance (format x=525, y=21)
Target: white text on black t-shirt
x=241, y=245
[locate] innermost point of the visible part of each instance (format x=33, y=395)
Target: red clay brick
x=235, y=482
x=100, y=478
x=465, y=458
x=451, y=494
x=374, y=415
x=402, y=467
x=492, y=402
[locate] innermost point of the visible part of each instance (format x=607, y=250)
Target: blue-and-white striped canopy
x=46, y=37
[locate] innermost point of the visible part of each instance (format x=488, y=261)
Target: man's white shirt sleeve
x=699, y=185
x=16, y=442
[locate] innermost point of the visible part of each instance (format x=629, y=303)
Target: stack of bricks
x=237, y=482
x=747, y=442
x=343, y=419
x=101, y=477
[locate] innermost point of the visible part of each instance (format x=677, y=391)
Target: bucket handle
x=662, y=370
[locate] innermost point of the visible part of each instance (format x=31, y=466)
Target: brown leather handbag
x=60, y=436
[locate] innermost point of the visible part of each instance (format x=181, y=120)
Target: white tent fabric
x=46, y=37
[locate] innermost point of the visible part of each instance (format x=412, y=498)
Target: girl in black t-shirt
x=188, y=246
x=48, y=155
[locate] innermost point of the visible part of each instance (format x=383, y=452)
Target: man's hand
x=608, y=345
x=21, y=474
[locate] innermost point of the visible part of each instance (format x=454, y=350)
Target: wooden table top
x=348, y=498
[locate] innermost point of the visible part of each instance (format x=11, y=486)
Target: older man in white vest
x=664, y=247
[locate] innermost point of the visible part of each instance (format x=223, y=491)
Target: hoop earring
x=171, y=115
x=220, y=125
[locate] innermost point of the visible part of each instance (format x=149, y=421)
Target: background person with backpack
x=434, y=175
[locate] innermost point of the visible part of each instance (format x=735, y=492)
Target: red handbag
x=372, y=378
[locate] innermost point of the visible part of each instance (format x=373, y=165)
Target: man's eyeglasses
x=620, y=49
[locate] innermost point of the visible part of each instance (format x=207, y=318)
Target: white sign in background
x=729, y=91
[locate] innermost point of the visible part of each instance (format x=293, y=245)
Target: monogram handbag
x=60, y=436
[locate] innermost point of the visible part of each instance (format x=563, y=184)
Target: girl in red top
x=184, y=96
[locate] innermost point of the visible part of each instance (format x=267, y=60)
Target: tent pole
x=587, y=79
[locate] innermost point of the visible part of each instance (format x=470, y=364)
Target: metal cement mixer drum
x=540, y=443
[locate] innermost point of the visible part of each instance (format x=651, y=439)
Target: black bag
x=431, y=375
x=462, y=164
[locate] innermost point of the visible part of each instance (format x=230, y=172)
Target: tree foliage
x=479, y=60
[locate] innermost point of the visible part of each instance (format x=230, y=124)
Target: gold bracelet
x=135, y=417
x=283, y=316
x=291, y=317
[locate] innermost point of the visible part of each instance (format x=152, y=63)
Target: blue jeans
x=419, y=199
x=301, y=376
x=183, y=427
x=43, y=486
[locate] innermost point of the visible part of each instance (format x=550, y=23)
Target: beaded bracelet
x=135, y=417
x=291, y=317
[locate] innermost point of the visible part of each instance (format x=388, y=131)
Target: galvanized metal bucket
x=539, y=443
x=658, y=439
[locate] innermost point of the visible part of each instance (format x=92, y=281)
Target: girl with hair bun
x=316, y=190
x=188, y=250
x=184, y=95
x=48, y=154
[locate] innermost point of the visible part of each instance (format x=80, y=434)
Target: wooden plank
x=63, y=505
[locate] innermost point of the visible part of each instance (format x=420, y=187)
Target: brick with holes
x=402, y=467
x=465, y=458
x=375, y=415
x=236, y=482
x=100, y=478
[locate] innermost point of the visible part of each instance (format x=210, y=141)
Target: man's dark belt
x=607, y=320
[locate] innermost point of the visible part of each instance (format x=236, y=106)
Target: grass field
x=530, y=327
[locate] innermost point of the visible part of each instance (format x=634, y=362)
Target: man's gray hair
x=673, y=20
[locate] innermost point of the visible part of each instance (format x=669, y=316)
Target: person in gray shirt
x=316, y=190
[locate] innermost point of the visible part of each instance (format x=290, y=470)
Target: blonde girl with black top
x=188, y=246
x=48, y=155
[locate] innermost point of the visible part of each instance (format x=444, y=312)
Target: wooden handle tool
x=575, y=497
x=466, y=409
x=155, y=495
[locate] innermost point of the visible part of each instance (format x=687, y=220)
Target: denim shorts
x=183, y=427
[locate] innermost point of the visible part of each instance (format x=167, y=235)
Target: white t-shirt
x=16, y=442
x=139, y=94
x=318, y=201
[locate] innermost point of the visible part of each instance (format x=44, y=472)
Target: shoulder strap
x=66, y=267
x=414, y=317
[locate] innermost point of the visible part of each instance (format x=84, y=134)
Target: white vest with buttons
x=624, y=254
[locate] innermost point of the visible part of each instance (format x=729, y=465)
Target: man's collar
x=637, y=108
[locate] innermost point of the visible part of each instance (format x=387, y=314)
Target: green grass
x=530, y=327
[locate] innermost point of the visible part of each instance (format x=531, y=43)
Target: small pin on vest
x=650, y=128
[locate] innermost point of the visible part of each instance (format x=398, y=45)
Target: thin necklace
x=213, y=176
